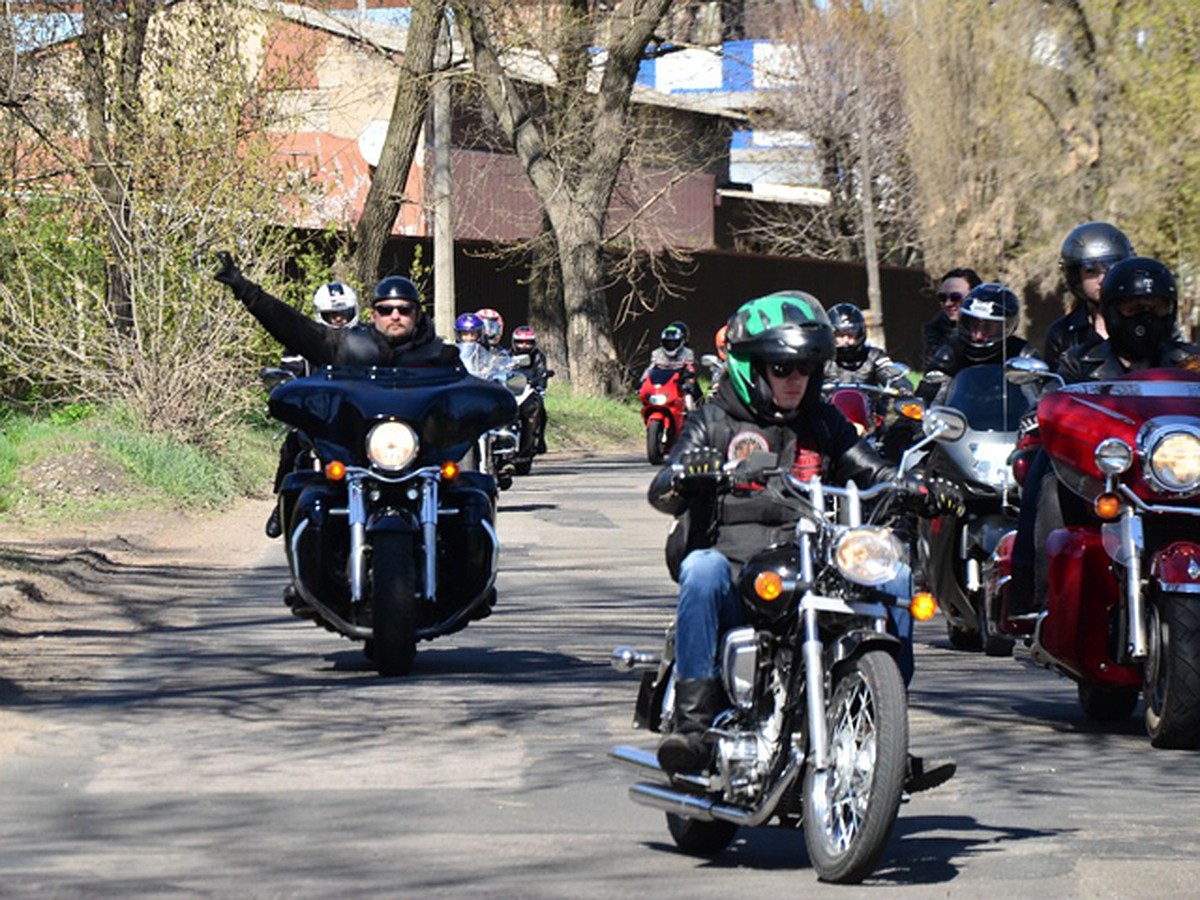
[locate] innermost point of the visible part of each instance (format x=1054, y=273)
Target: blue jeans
x=709, y=606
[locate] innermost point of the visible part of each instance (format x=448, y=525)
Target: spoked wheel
x=393, y=603
x=656, y=441
x=700, y=838
x=850, y=807
x=1172, y=673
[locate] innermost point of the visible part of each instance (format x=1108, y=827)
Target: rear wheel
x=993, y=644
x=393, y=603
x=1107, y=705
x=1172, y=672
x=850, y=807
x=700, y=838
x=656, y=441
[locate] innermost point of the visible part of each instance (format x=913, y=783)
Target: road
x=238, y=751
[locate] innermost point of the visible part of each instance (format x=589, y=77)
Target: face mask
x=1139, y=337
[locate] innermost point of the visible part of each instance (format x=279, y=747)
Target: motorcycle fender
x=401, y=520
x=1176, y=567
x=848, y=645
x=316, y=501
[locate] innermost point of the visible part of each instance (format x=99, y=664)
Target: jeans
x=709, y=606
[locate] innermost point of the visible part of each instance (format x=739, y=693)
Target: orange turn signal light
x=914, y=411
x=449, y=470
x=1108, y=506
x=922, y=606
x=335, y=471
x=768, y=586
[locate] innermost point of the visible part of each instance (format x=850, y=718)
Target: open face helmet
x=335, y=304
x=524, y=339
x=493, y=326
x=1139, y=302
x=1096, y=244
x=849, y=334
x=987, y=317
x=396, y=287
x=468, y=328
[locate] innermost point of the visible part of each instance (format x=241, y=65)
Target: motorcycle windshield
x=988, y=401
x=659, y=376
x=448, y=409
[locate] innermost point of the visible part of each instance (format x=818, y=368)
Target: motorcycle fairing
x=1176, y=567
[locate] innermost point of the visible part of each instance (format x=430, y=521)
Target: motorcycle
x=1122, y=615
x=954, y=552
x=496, y=450
x=888, y=416
x=817, y=729
x=664, y=409
x=388, y=541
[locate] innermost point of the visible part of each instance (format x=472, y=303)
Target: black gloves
x=230, y=274
x=698, y=470
x=932, y=496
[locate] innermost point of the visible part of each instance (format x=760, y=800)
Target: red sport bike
x=664, y=409
x=1123, y=608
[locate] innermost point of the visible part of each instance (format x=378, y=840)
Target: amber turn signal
x=922, y=606
x=335, y=471
x=768, y=585
x=449, y=470
x=914, y=411
x=1108, y=506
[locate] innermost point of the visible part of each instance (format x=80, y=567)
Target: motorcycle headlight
x=1175, y=461
x=658, y=399
x=869, y=555
x=392, y=445
x=1113, y=456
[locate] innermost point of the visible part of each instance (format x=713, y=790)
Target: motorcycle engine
x=749, y=744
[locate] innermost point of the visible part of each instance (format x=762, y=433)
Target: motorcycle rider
x=673, y=353
x=400, y=332
x=493, y=328
x=1088, y=252
x=769, y=401
x=1139, y=305
x=854, y=360
x=335, y=305
x=533, y=409
x=468, y=329
x=952, y=290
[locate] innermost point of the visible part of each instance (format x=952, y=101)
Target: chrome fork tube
x=814, y=670
x=357, y=513
x=1132, y=543
x=429, y=520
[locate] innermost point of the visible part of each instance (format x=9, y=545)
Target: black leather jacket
x=952, y=359
x=935, y=334
x=1075, y=329
x=538, y=372
x=744, y=521
x=1098, y=362
x=876, y=368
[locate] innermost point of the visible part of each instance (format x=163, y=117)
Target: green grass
x=591, y=423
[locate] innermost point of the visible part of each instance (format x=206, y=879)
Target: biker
x=952, y=290
x=1139, y=305
x=533, y=409
x=468, y=329
x=673, y=353
x=335, y=305
x=854, y=360
x=1088, y=252
x=769, y=401
x=493, y=328
x=400, y=332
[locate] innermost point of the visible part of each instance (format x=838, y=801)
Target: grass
x=591, y=423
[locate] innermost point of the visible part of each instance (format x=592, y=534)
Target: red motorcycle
x=664, y=409
x=1123, y=608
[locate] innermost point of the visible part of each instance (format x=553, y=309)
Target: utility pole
x=444, y=303
x=874, y=313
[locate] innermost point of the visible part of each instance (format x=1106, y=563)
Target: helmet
x=788, y=326
x=847, y=321
x=396, y=287
x=683, y=329
x=1137, y=329
x=335, y=301
x=1092, y=243
x=524, y=339
x=493, y=326
x=720, y=341
x=988, y=315
x=671, y=340
x=468, y=323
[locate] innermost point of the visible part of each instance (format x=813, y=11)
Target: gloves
x=229, y=273
x=698, y=470
x=931, y=497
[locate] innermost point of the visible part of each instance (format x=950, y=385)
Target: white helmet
x=334, y=301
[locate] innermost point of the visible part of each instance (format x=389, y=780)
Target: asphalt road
x=246, y=753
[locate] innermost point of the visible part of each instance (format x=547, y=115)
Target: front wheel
x=850, y=807
x=1172, y=672
x=656, y=441
x=393, y=603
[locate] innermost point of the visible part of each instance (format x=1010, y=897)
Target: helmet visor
x=671, y=344
x=335, y=316
x=981, y=332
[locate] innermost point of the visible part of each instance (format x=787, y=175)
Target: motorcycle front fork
x=814, y=667
x=357, y=512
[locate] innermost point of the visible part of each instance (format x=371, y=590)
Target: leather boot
x=685, y=749
x=924, y=775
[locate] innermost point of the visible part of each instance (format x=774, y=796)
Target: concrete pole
x=444, y=303
x=874, y=312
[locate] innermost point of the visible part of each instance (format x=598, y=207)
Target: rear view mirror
x=944, y=424
x=1026, y=370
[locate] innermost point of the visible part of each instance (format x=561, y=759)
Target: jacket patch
x=746, y=442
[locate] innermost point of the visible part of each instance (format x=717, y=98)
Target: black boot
x=274, y=527
x=685, y=749
x=923, y=776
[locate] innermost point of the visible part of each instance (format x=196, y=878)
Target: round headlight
x=1175, y=461
x=391, y=445
x=1113, y=456
x=868, y=555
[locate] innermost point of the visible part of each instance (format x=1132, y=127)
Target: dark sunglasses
x=387, y=310
x=784, y=369
x=952, y=297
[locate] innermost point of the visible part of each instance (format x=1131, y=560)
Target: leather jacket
x=876, y=368
x=1098, y=361
x=935, y=334
x=1075, y=329
x=952, y=359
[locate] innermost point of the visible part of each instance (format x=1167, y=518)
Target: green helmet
x=787, y=326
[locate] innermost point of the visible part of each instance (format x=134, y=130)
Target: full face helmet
x=493, y=326
x=849, y=335
x=987, y=317
x=335, y=304
x=1139, y=302
x=785, y=327
x=721, y=343
x=396, y=287
x=524, y=339
x=468, y=328
x=1091, y=244
x=670, y=339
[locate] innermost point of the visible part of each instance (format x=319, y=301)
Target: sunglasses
x=784, y=369
x=951, y=297
x=387, y=310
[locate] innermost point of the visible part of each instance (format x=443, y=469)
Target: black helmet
x=1092, y=243
x=988, y=315
x=396, y=287
x=788, y=326
x=847, y=321
x=671, y=340
x=683, y=329
x=1137, y=329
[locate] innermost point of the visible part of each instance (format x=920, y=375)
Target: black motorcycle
x=388, y=541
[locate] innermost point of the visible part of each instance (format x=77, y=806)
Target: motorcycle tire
x=655, y=442
x=850, y=807
x=963, y=638
x=993, y=644
x=524, y=467
x=697, y=838
x=1172, y=673
x=393, y=603
x=1102, y=705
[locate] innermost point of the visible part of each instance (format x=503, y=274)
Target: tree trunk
x=592, y=358
x=546, y=310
